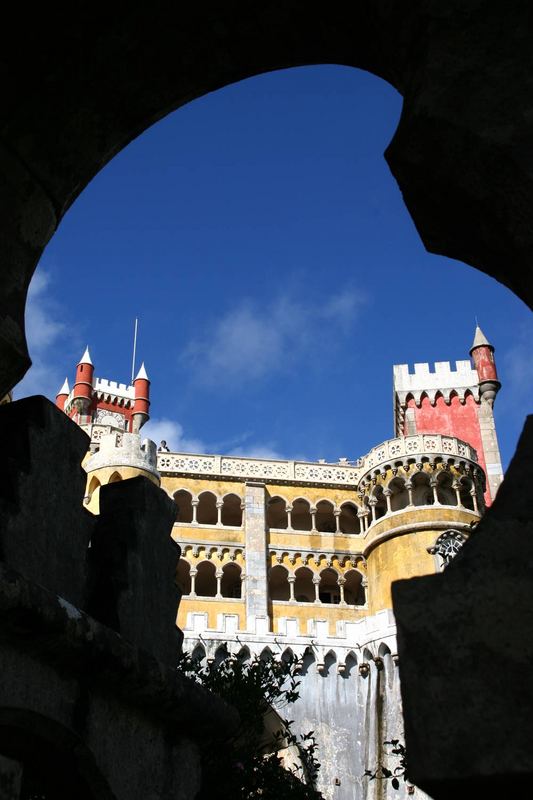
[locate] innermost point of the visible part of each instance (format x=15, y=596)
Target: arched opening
x=328, y=589
x=349, y=521
x=307, y=661
x=231, y=581
x=400, y=496
x=206, y=582
x=301, y=515
x=380, y=504
x=206, y=513
x=354, y=591
x=243, y=655
x=329, y=663
x=183, y=500
x=232, y=511
x=277, y=513
x=350, y=665
x=278, y=585
x=183, y=576
x=115, y=477
x=465, y=493
x=304, y=590
x=94, y=484
x=198, y=654
x=422, y=491
x=325, y=519
x=445, y=491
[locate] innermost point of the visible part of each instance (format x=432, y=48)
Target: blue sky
x=260, y=238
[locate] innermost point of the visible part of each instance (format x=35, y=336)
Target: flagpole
x=134, y=350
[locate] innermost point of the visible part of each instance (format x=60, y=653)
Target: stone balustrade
x=404, y=448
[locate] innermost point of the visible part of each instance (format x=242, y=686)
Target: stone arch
x=328, y=589
x=207, y=513
x=445, y=491
x=221, y=654
x=304, y=590
x=94, y=485
x=422, y=491
x=183, y=576
x=230, y=584
x=206, y=582
x=466, y=485
x=231, y=510
x=350, y=665
x=301, y=515
x=115, y=477
x=183, y=500
x=325, y=518
x=278, y=585
x=330, y=659
x=381, y=503
x=276, y=512
x=198, y=654
x=244, y=654
x=354, y=590
x=400, y=496
x=56, y=762
x=308, y=660
x=349, y=521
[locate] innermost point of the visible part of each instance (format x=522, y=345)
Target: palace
x=289, y=556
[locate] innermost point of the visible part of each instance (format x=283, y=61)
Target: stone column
x=219, y=505
x=218, y=576
x=313, y=519
x=194, y=504
x=388, y=495
x=409, y=487
x=433, y=484
x=288, y=509
x=256, y=586
x=341, y=581
x=337, y=515
x=316, y=582
x=292, y=580
x=372, y=501
x=490, y=446
x=193, y=573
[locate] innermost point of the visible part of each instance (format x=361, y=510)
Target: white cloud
x=44, y=330
x=172, y=433
x=257, y=451
x=253, y=341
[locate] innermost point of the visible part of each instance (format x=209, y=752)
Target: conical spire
x=141, y=375
x=65, y=389
x=480, y=340
x=86, y=357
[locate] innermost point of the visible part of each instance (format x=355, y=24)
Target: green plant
x=248, y=764
x=398, y=772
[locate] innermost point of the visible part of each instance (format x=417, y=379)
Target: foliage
x=248, y=765
x=382, y=773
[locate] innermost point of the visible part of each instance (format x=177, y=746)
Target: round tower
x=141, y=406
x=61, y=396
x=82, y=392
x=482, y=353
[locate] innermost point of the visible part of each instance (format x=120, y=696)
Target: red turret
x=482, y=353
x=141, y=406
x=61, y=396
x=83, y=386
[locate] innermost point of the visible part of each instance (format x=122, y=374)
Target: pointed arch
x=115, y=477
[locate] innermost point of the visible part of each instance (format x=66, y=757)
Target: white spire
x=65, y=389
x=142, y=374
x=86, y=357
x=480, y=340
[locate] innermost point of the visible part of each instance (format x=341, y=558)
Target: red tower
x=82, y=392
x=454, y=402
x=61, y=396
x=141, y=406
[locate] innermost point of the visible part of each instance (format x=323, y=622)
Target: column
x=292, y=581
x=313, y=519
x=194, y=504
x=388, y=494
x=288, y=509
x=219, y=505
x=433, y=484
x=409, y=487
x=341, y=580
x=316, y=582
x=256, y=586
x=218, y=576
x=337, y=515
x=372, y=503
x=456, y=485
x=193, y=573
x=473, y=495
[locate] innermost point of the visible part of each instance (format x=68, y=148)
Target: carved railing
x=258, y=468
x=422, y=444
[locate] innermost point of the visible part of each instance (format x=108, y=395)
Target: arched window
x=325, y=519
x=354, y=592
x=277, y=513
x=301, y=515
x=422, y=491
x=198, y=654
x=465, y=488
x=231, y=580
x=115, y=477
x=278, y=585
x=206, y=582
x=94, y=484
x=207, y=509
x=183, y=500
x=304, y=590
x=400, y=496
x=349, y=521
x=329, y=662
x=243, y=655
x=445, y=491
x=307, y=662
x=183, y=576
x=232, y=511
x=328, y=590
x=350, y=665
x=381, y=503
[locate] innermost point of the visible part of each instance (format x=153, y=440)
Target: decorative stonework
x=448, y=546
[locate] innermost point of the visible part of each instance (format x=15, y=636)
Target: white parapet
x=120, y=449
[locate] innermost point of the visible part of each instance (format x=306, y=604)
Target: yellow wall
x=103, y=475
x=213, y=607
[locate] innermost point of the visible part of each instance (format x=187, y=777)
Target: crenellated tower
x=457, y=402
x=112, y=414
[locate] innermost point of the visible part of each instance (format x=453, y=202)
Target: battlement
x=119, y=449
x=104, y=387
x=442, y=378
